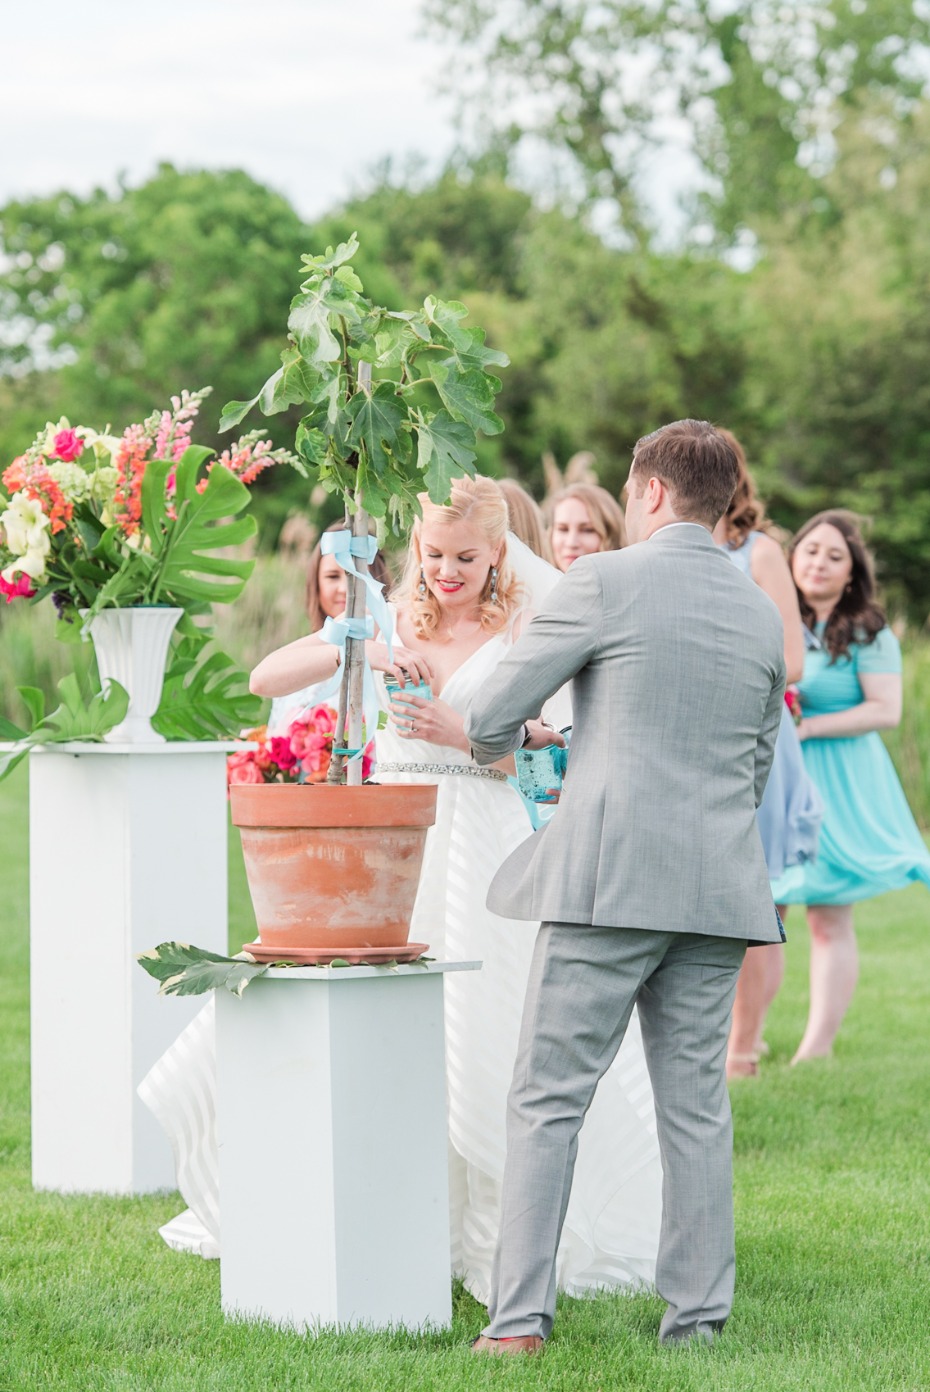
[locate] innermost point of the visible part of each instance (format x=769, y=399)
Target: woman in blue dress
x=789, y=817
x=869, y=841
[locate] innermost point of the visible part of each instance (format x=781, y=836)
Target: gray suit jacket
x=679, y=679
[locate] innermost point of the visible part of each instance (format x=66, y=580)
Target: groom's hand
x=539, y=735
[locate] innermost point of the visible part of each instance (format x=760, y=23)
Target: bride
x=469, y=589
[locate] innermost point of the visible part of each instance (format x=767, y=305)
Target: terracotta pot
x=333, y=867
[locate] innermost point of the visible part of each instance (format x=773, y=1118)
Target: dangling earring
x=421, y=588
x=494, y=599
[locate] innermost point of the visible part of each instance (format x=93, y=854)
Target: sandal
x=742, y=1066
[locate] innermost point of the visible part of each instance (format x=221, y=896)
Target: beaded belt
x=470, y=770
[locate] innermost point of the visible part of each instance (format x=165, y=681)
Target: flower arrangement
x=99, y=520
x=301, y=754
x=793, y=702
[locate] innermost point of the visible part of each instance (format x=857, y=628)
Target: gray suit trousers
x=583, y=984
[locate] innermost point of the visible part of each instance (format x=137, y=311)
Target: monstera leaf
x=186, y=550
x=83, y=714
x=206, y=700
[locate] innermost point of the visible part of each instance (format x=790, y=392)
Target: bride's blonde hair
x=478, y=501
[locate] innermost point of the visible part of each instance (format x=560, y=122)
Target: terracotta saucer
x=321, y=956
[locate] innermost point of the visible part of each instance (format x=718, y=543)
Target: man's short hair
x=697, y=465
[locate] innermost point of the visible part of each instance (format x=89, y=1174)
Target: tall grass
x=31, y=655
x=270, y=612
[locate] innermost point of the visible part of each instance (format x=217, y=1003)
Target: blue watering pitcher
x=539, y=770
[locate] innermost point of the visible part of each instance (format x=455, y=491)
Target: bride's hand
x=433, y=721
x=541, y=735
x=407, y=665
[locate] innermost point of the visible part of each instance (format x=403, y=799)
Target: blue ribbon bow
x=343, y=546
x=336, y=631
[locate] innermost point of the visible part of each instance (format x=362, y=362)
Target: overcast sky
x=306, y=95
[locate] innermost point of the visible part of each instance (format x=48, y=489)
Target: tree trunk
x=356, y=598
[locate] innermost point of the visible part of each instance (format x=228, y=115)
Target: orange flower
x=130, y=463
x=41, y=486
x=14, y=476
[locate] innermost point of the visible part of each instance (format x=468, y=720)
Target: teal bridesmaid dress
x=869, y=841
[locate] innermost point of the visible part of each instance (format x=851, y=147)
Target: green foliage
x=83, y=714
x=818, y=356
x=108, y=297
x=183, y=970
x=204, y=698
x=183, y=536
x=377, y=445
x=763, y=87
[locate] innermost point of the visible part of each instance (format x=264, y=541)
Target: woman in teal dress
x=851, y=689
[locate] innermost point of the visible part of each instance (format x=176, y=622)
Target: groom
x=650, y=879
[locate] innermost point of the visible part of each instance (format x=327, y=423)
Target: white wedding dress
x=611, y=1230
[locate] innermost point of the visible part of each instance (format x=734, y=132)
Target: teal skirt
x=869, y=841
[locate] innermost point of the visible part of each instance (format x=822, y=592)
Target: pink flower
x=312, y=751
x=242, y=768
x=68, y=445
x=281, y=752
x=311, y=742
x=18, y=588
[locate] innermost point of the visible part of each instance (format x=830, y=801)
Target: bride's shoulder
x=518, y=623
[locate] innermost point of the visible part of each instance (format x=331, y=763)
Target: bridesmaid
x=527, y=520
x=789, y=817
x=851, y=690
x=585, y=519
x=325, y=599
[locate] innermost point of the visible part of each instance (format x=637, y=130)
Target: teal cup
x=396, y=691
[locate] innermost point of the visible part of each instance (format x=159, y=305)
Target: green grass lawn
x=833, y=1226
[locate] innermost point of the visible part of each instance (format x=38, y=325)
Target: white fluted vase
x=131, y=647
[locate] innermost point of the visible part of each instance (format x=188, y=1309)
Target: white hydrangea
x=102, y=483
x=73, y=481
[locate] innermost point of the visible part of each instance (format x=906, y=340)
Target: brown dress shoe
x=520, y=1343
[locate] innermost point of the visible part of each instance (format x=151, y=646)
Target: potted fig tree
x=393, y=403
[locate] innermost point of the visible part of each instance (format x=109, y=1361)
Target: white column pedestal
x=127, y=849
x=331, y=1117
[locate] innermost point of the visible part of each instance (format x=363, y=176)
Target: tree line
x=815, y=349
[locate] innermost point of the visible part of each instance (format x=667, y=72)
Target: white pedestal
x=333, y=1151
x=127, y=849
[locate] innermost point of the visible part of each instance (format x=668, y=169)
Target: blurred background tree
x=788, y=298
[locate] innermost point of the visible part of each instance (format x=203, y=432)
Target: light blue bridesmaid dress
x=869, y=842
x=791, y=810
